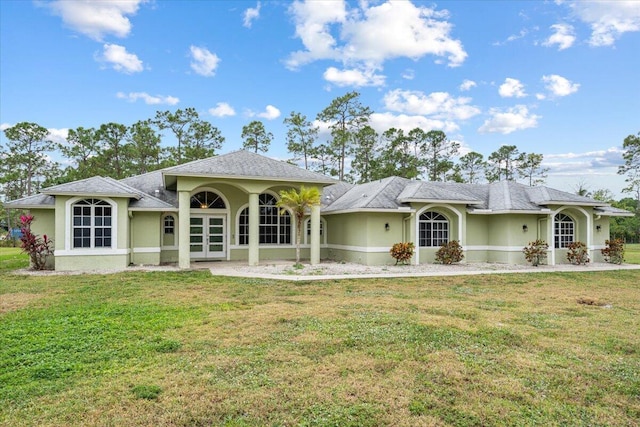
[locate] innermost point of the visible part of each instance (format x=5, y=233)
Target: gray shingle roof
x=35, y=201
x=94, y=186
x=244, y=164
x=382, y=194
x=151, y=184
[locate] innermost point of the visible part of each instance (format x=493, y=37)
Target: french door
x=207, y=237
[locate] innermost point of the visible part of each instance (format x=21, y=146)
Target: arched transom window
x=564, y=230
x=433, y=229
x=92, y=224
x=207, y=200
x=275, y=229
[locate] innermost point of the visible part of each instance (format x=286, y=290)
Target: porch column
x=551, y=226
x=184, y=210
x=254, y=229
x=315, y=235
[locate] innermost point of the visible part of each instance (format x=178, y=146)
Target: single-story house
x=224, y=208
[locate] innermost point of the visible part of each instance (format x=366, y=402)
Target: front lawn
x=632, y=253
x=189, y=349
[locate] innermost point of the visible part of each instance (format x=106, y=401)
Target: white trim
x=91, y=252
x=328, y=181
x=146, y=250
x=134, y=209
x=292, y=236
x=83, y=195
x=507, y=212
x=493, y=248
x=356, y=210
x=169, y=248
x=306, y=242
x=372, y=249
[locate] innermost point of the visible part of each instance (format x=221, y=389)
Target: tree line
x=353, y=152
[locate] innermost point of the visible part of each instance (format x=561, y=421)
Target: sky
x=556, y=78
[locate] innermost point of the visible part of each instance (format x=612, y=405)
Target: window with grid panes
x=564, y=230
x=91, y=224
x=433, y=229
x=274, y=229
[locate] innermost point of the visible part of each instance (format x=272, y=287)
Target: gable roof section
x=243, y=164
x=95, y=186
x=550, y=196
x=37, y=201
x=442, y=192
x=375, y=195
x=151, y=184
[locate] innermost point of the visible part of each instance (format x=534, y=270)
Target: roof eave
x=85, y=194
x=379, y=210
x=449, y=201
x=9, y=205
x=167, y=209
x=568, y=203
x=507, y=211
x=327, y=181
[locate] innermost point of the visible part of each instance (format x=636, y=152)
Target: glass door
x=207, y=236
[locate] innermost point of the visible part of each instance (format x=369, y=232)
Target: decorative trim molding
x=91, y=252
x=152, y=250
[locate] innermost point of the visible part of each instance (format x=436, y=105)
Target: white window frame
x=241, y=213
x=433, y=221
x=563, y=223
x=307, y=231
x=69, y=250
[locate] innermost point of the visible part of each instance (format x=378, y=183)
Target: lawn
x=632, y=253
x=189, y=349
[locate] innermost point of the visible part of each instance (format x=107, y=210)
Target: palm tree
x=298, y=202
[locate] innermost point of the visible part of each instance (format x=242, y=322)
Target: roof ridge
x=389, y=179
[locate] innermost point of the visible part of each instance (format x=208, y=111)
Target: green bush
x=449, y=253
x=402, y=252
x=578, y=253
x=536, y=252
x=614, y=252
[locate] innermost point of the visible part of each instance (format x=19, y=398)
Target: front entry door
x=207, y=236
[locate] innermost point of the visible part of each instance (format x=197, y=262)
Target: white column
x=254, y=229
x=315, y=235
x=184, y=209
x=551, y=227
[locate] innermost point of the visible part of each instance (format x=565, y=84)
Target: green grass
x=632, y=253
x=189, y=349
x=12, y=259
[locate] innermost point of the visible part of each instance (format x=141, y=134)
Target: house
x=224, y=208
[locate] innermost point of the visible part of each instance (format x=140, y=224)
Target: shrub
x=449, y=253
x=38, y=248
x=614, y=252
x=402, y=252
x=578, y=253
x=536, y=252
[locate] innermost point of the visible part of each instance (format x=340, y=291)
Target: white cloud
x=384, y=121
x=97, y=19
x=222, y=109
x=563, y=36
x=270, y=113
x=513, y=37
x=58, y=135
x=608, y=20
x=439, y=105
x=370, y=35
x=467, y=85
x=559, y=86
x=250, y=15
x=541, y=96
x=511, y=120
x=148, y=99
x=354, y=77
x=4, y=126
x=120, y=60
x=203, y=62
x=408, y=74
x=512, y=88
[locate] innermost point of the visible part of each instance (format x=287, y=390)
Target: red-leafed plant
x=449, y=253
x=614, y=252
x=402, y=252
x=578, y=253
x=38, y=248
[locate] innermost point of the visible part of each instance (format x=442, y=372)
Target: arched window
x=564, y=230
x=207, y=200
x=275, y=229
x=433, y=228
x=91, y=224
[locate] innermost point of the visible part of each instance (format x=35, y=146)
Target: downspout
x=130, y=239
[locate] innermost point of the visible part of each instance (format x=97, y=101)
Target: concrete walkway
x=284, y=270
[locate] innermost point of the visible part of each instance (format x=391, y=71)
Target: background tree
x=345, y=116
x=111, y=136
x=582, y=189
x=301, y=136
x=323, y=160
x=144, y=153
x=202, y=142
x=438, y=152
x=299, y=202
x=501, y=164
x=178, y=123
x=396, y=157
x=255, y=137
x=82, y=148
x=471, y=167
x=529, y=167
x=631, y=167
x=364, y=154
x=25, y=162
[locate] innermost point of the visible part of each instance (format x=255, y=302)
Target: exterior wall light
x=598, y=228
x=525, y=228
x=386, y=226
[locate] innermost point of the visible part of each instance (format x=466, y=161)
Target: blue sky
x=557, y=78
